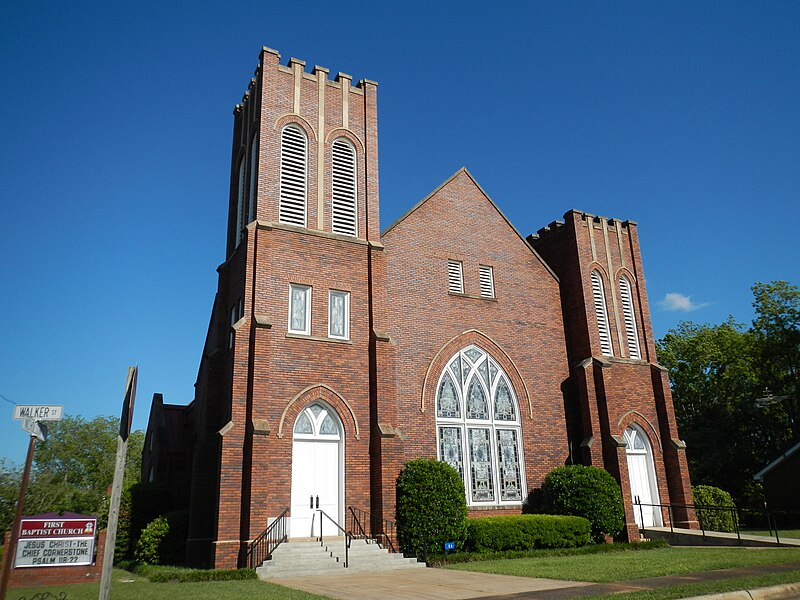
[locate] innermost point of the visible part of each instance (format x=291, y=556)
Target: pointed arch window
x=601, y=312
x=344, y=207
x=294, y=173
x=478, y=428
x=631, y=331
x=240, y=200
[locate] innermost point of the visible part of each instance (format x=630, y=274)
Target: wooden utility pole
x=119, y=475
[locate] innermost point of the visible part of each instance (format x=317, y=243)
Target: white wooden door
x=640, y=490
x=641, y=473
x=316, y=473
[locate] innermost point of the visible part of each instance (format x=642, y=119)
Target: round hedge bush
x=586, y=492
x=431, y=507
x=163, y=541
x=713, y=497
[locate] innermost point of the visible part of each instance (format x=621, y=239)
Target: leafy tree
x=72, y=470
x=735, y=390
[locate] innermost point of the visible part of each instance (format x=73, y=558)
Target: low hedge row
x=159, y=574
x=523, y=532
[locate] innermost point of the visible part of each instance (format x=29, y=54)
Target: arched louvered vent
x=293, y=176
x=240, y=202
x=602, y=314
x=631, y=332
x=344, y=211
x=251, y=202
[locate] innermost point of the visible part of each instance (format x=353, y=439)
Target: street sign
x=38, y=412
x=35, y=428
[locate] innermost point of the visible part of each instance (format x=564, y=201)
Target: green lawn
x=621, y=566
x=789, y=533
x=697, y=589
x=126, y=586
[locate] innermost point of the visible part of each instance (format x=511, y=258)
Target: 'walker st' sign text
x=39, y=412
x=56, y=541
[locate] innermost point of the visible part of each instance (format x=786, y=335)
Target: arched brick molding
x=281, y=122
x=483, y=341
x=636, y=418
x=321, y=392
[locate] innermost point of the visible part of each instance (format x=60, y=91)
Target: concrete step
x=307, y=558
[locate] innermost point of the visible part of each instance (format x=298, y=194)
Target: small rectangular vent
x=487, y=281
x=455, y=277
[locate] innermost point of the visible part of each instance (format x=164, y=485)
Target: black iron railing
x=261, y=548
x=368, y=527
x=726, y=519
x=347, y=536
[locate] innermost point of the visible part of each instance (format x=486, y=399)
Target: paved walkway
x=444, y=584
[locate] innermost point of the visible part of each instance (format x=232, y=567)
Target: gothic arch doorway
x=642, y=476
x=317, y=469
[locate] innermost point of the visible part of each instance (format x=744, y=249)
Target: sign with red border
x=54, y=541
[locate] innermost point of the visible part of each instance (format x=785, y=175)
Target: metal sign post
x=119, y=475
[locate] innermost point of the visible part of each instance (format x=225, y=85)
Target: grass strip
x=707, y=587
x=166, y=574
x=442, y=560
x=623, y=566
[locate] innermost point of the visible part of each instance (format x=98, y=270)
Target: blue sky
x=115, y=132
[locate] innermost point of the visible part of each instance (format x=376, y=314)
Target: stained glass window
x=482, y=438
x=448, y=401
x=299, y=309
x=477, y=406
x=328, y=426
x=450, y=448
x=303, y=424
x=503, y=405
x=507, y=451
x=481, y=461
x=339, y=314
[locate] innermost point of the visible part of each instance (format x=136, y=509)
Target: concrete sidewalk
x=445, y=584
x=424, y=584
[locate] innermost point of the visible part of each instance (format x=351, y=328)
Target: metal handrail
x=736, y=514
x=383, y=533
x=261, y=548
x=347, y=535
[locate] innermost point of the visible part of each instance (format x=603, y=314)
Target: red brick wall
x=35, y=577
x=521, y=328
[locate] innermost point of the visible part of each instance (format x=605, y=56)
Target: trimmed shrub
x=713, y=497
x=525, y=532
x=147, y=501
x=163, y=541
x=431, y=507
x=586, y=492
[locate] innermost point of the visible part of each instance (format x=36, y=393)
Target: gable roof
x=444, y=184
x=760, y=475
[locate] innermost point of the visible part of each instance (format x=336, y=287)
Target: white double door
x=315, y=485
x=642, y=490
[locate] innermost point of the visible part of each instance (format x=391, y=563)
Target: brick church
x=336, y=352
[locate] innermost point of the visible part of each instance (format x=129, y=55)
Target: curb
x=786, y=591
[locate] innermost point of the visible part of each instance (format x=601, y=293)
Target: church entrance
x=641, y=473
x=317, y=470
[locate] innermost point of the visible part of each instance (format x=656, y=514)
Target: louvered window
x=251, y=202
x=487, y=281
x=294, y=150
x=344, y=207
x=631, y=332
x=602, y=314
x=455, y=277
x=240, y=202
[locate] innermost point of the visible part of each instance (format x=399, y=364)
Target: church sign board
x=53, y=540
